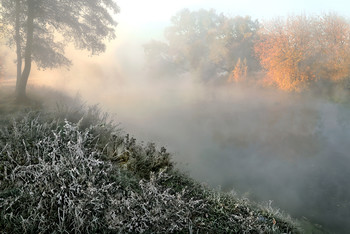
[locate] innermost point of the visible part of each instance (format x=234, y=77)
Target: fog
x=291, y=149
x=262, y=143
x=265, y=144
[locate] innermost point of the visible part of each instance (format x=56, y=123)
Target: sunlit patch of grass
x=73, y=170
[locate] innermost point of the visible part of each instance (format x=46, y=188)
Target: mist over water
x=266, y=144
x=290, y=148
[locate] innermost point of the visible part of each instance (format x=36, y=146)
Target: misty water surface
x=292, y=149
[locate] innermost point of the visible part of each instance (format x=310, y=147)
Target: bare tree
x=41, y=29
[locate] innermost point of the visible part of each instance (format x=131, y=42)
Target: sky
x=156, y=13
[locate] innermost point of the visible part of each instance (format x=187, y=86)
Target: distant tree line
x=292, y=53
x=205, y=43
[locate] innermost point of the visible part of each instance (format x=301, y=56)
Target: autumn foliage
x=239, y=73
x=294, y=53
x=298, y=51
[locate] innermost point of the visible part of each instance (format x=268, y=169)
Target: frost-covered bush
x=155, y=209
x=60, y=173
x=139, y=159
x=53, y=179
x=56, y=179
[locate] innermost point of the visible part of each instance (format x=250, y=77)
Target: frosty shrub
x=53, y=179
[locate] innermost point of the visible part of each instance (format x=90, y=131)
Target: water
x=292, y=149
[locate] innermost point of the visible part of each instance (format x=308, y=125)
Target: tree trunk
x=18, y=45
x=22, y=84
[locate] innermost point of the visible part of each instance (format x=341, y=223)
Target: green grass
x=67, y=168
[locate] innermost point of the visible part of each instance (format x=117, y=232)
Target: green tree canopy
x=203, y=42
x=41, y=29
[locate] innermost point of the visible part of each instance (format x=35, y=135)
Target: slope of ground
x=71, y=170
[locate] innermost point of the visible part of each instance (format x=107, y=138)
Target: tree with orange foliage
x=299, y=50
x=284, y=48
x=239, y=73
x=334, y=48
